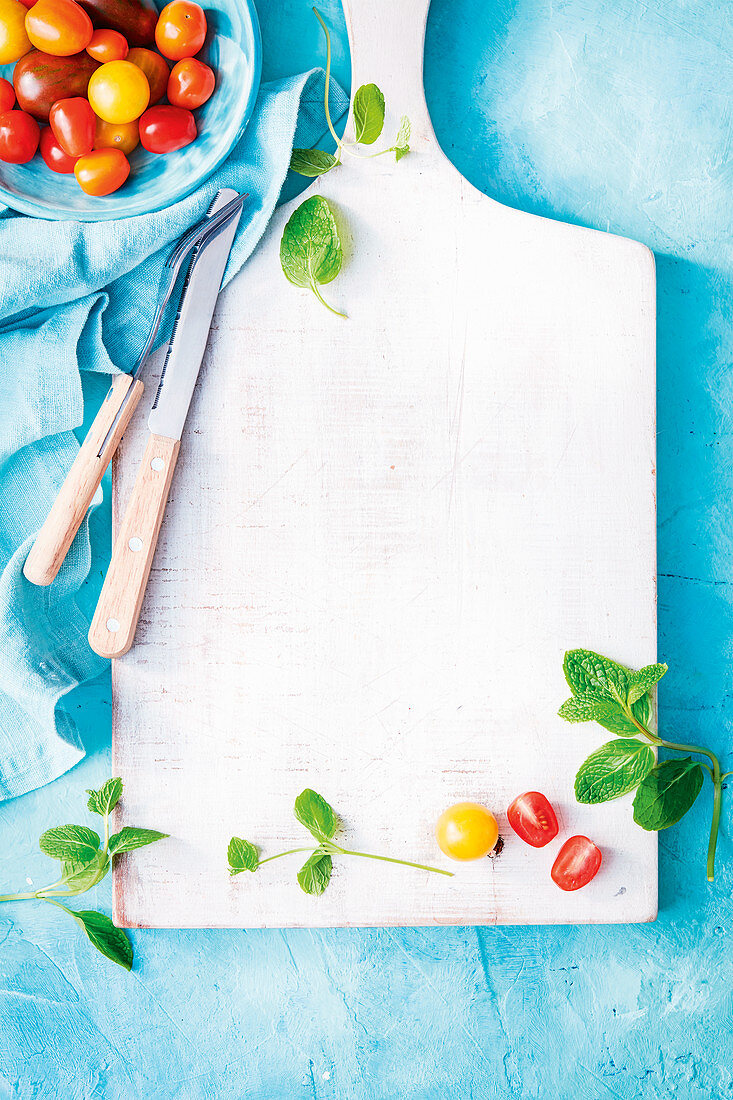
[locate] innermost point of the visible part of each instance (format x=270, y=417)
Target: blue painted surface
x=611, y=114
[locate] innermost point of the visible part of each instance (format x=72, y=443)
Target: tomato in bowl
x=232, y=49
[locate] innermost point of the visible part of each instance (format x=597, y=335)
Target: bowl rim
x=27, y=206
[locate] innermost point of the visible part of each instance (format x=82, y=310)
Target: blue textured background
x=614, y=114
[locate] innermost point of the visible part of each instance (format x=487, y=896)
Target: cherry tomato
x=122, y=135
x=165, y=129
x=7, y=95
x=73, y=124
x=155, y=68
x=27, y=3
x=40, y=80
x=577, y=863
x=19, y=137
x=533, y=819
x=108, y=46
x=54, y=156
x=466, y=831
x=59, y=27
x=181, y=30
x=190, y=83
x=14, y=41
x=118, y=91
x=102, y=171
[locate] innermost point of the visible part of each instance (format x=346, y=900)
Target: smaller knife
x=115, y=620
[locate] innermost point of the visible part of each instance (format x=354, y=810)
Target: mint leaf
x=312, y=162
x=106, y=798
x=368, y=114
x=402, y=141
x=589, y=673
x=315, y=874
x=310, y=248
x=111, y=941
x=644, y=680
x=242, y=856
x=614, y=769
x=129, y=838
x=667, y=793
x=589, y=708
x=80, y=877
x=69, y=842
x=312, y=810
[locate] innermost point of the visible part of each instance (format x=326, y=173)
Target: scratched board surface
x=382, y=534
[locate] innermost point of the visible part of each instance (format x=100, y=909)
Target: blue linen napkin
x=80, y=297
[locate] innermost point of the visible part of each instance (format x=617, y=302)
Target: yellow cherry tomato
x=118, y=92
x=122, y=135
x=14, y=42
x=466, y=831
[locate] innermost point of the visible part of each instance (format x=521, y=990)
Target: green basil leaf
x=368, y=114
x=111, y=941
x=312, y=810
x=315, y=874
x=614, y=769
x=69, y=842
x=312, y=162
x=589, y=708
x=667, y=793
x=644, y=680
x=310, y=248
x=80, y=877
x=589, y=673
x=129, y=838
x=106, y=798
x=402, y=141
x=242, y=856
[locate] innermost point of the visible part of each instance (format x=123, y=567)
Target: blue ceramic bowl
x=234, y=51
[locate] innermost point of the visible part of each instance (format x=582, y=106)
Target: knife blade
x=115, y=620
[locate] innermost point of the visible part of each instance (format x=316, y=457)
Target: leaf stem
x=713, y=772
x=322, y=300
x=290, y=852
x=390, y=859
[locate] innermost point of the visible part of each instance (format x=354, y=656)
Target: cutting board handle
x=387, y=40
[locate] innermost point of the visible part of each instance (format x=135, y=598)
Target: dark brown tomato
x=40, y=79
x=136, y=21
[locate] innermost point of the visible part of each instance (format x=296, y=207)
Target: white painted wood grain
x=382, y=535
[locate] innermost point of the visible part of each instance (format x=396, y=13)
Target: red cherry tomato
x=73, y=123
x=54, y=156
x=190, y=83
x=27, y=3
x=108, y=46
x=60, y=27
x=7, y=95
x=102, y=171
x=19, y=137
x=155, y=68
x=165, y=129
x=180, y=30
x=533, y=819
x=577, y=863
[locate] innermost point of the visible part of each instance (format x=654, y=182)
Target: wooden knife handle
x=115, y=619
x=82, y=481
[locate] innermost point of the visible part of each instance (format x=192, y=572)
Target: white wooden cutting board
x=382, y=535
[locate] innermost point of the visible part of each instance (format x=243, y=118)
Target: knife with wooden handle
x=115, y=619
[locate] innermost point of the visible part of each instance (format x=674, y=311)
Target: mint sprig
x=85, y=860
x=310, y=247
x=620, y=700
x=368, y=115
x=321, y=821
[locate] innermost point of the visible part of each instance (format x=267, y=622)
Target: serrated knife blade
x=191, y=328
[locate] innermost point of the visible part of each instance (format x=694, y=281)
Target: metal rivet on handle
x=135, y=545
x=157, y=464
x=113, y=626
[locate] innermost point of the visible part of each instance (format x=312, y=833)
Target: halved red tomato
x=577, y=863
x=533, y=819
